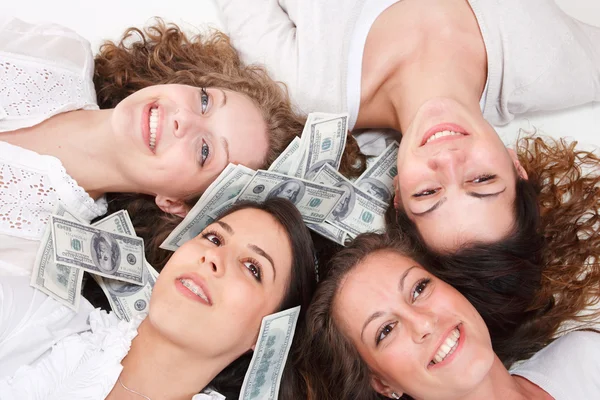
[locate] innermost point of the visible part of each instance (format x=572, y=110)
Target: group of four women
x=489, y=255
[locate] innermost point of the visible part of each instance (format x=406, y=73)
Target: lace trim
x=30, y=187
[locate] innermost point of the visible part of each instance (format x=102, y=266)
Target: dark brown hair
x=330, y=366
x=555, y=236
x=163, y=54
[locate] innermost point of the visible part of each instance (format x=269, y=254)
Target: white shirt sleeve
x=568, y=368
x=31, y=323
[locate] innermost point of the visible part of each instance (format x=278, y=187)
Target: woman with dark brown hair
x=382, y=325
x=172, y=112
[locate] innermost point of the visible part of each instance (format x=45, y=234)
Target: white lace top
x=44, y=70
x=49, y=352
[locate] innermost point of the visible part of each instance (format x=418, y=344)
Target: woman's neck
x=160, y=369
x=499, y=384
x=82, y=141
x=417, y=51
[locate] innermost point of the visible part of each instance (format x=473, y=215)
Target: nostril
x=176, y=125
x=214, y=267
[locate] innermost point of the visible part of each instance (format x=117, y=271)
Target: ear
x=172, y=206
x=383, y=388
x=520, y=170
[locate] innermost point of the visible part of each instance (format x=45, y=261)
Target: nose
x=185, y=121
x=215, y=260
x=449, y=162
x=422, y=324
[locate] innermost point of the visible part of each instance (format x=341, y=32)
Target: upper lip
x=442, y=127
x=441, y=341
x=198, y=281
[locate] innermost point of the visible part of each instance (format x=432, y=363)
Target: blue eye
x=204, y=153
x=204, y=99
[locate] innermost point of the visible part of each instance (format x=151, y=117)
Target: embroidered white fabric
x=31, y=185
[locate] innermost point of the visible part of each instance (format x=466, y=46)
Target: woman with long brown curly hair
x=383, y=325
x=172, y=112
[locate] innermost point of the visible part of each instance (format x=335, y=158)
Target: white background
x=107, y=19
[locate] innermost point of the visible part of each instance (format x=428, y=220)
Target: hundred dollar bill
x=378, y=179
x=98, y=251
x=315, y=202
x=357, y=212
x=297, y=167
x=227, y=187
x=126, y=299
x=326, y=143
x=61, y=282
x=330, y=232
x=266, y=367
x=288, y=158
x=118, y=222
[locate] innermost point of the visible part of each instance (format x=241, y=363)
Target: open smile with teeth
x=197, y=290
x=442, y=134
x=153, y=124
x=447, y=348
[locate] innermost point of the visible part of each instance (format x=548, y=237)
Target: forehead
x=245, y=128
x=259, y=228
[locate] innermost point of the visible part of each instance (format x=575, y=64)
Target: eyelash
x=204, y=98
x=256, y=271
x=481, y=179
x=385, y=330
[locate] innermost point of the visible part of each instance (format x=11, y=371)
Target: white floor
x=108, y=18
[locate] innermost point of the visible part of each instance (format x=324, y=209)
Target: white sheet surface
x=107, y=19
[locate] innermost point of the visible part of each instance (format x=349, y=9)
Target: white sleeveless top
x=44, y=70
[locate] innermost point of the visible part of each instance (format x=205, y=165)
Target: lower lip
x=441, y=128
x=188, y=293
x=451, y=357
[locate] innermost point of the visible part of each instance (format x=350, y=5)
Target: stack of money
x=108, y=249
x=328, y=206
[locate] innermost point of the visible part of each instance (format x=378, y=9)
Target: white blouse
x=568, y=368
x=44, y=70
x=49, y=352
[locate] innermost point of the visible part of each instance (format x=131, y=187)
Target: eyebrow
x=483, y=196
x=265, y=255
x=226, y=226
x=223, y=99
x=373, y=316
x=472, y=194
x=403, y=278
x=225, y=144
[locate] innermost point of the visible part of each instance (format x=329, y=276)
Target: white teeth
x=153, y=124
x=188, y=283
x=442, y=134
x=447, y=347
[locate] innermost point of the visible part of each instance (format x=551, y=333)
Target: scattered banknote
x=126, y=299
x=223, y=190
x=270, y=354
x=315, y=202
x=97, y=251
x=59, y=281
x=330, y=232
x=378, y=179
x=357, y=212
x=297, y=167
x=118, y=222
x=288, y=158
x=325, y=144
